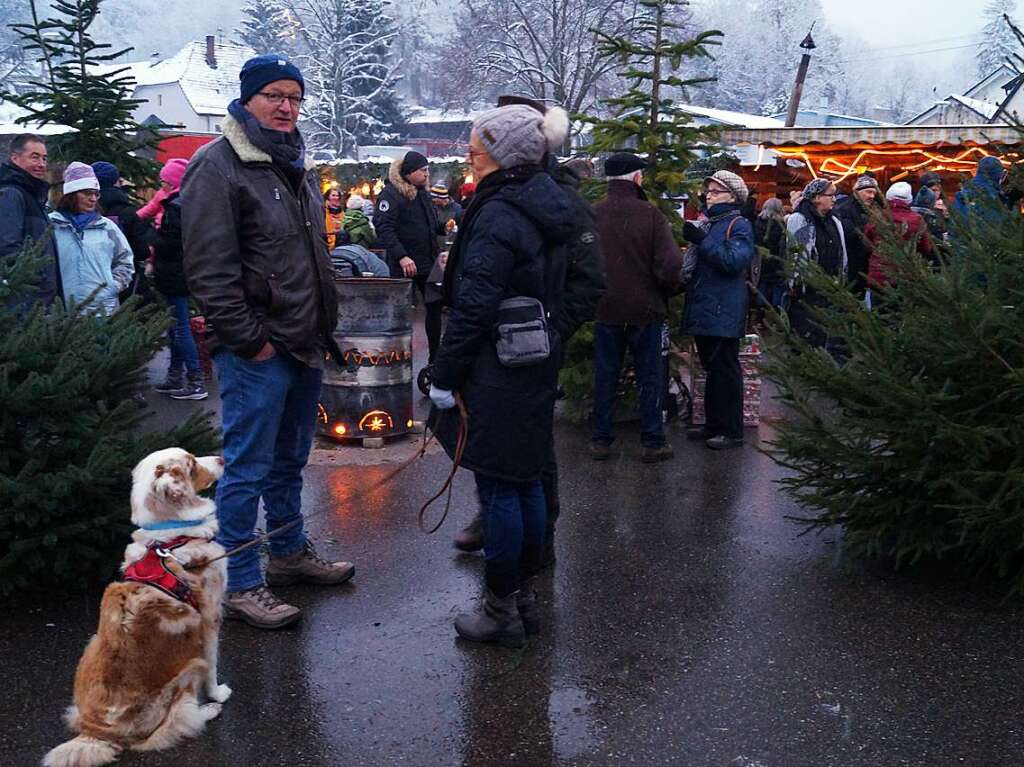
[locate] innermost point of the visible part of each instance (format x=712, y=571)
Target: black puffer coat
x=168, y=267
x=117, y=206
x=854, y=217
x=513, y=238
x=407, y=224
x=23, y=217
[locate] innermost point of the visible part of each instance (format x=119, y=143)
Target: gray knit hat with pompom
x=520, y=135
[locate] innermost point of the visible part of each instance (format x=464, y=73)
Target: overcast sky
x=893, y=22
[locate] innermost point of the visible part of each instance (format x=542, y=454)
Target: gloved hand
x=442, y=398
x=693, y=233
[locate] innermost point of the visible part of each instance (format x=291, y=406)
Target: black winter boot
x=471, y=537
x=529, y=609
x=497, y=622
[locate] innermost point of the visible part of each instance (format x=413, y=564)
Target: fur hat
x=355, y=202
x=900, y=191
x=78, y=177
x=263, y=70
x=520, y=135
x=730, y=181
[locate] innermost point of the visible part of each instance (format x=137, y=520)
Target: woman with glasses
x=91, y=250
x=819, y=237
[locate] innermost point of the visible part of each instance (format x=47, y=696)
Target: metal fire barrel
x=370, y=393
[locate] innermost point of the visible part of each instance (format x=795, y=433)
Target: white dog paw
x=210, y=710
x=220, y=693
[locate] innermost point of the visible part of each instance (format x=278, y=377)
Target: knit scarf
x=486, y=190
x=287, y=150
x=81, y=220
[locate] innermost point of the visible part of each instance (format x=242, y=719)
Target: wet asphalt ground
x=686, y=623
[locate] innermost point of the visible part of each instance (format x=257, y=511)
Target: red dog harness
x=152, y=571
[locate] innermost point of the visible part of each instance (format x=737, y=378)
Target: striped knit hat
x=439, y=191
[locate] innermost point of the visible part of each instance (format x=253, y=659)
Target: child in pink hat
x=170, y=182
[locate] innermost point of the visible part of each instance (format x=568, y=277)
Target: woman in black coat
x=510, y=245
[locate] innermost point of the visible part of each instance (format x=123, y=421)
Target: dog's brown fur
x=153, y=657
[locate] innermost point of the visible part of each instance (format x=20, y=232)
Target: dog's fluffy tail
x=83, y=751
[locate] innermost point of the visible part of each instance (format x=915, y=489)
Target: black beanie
x=412, y=162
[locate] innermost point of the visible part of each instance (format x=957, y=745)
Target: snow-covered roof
x=735, y=119
x=984, y=108
x=1003, y=72
x=8, y=127
x=209, y=90
x=423, y=115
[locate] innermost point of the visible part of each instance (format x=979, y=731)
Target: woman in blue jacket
x=92, y=251
x=716, y=306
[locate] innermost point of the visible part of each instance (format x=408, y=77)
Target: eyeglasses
x=471, y=153
x=277, y=98
x=717, y=191
x=89, y=192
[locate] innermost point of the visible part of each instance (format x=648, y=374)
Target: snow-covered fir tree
x=266, y=27
x=998, y=42
x=350, y=74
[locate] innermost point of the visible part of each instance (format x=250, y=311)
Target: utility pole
x=801, y=74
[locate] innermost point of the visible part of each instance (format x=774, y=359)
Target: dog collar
x=173, y=524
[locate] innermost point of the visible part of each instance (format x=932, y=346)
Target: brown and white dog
x=140, y=681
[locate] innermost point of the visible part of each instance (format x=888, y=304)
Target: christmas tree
x=913, y=442
x=646, y=120
x=998, y=44
x=80, y=88
x=70, y=431
x=266, y=27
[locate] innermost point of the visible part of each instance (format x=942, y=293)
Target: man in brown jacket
x=644, y=265
x=256, y=260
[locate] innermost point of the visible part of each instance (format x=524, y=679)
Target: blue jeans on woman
x=269, y=412
x=644, y=343
x=183, y=345
x=514, y=521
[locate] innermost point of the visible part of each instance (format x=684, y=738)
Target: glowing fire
x=340, y=429
x=376, y=421
x=375, y=358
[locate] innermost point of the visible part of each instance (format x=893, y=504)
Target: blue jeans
x=514, y=523
x=183, y=345
x=644, y=343
x=269, y=413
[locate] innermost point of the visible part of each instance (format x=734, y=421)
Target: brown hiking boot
x=471, y=537
x=306, y=566
x=498, y=622
x=260, y=608
x=655, y=454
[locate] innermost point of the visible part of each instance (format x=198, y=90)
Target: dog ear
x=159, y=471
x=200, y=476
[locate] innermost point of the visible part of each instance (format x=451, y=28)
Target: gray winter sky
x=894, y=22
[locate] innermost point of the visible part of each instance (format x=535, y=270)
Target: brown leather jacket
x=256, y=258
x=642, y=259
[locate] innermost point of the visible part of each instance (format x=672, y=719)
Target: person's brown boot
x=529, y=609
x=260, y=608
x=307, y=566
x=471, y=537
x=655, y=454
x=498, y=622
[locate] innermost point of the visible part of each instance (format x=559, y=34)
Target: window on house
x=159, y=99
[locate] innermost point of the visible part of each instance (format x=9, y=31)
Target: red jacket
x=909, y=225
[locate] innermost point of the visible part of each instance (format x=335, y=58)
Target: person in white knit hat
x=91, y=250
x=510, y=249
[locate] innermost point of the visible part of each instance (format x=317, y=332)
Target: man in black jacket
x=407, y=228
x=118, y=207
x=23, y=190
x=853, y=214
x=256, y=261
x=582, y=288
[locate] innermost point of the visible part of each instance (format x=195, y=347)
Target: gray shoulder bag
x=521, y=332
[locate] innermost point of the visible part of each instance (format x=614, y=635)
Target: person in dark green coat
x=357, y=224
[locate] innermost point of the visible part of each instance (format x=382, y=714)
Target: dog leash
x=460, y=446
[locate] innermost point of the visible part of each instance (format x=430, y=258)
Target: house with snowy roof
x=190, y=91
x=990, y=100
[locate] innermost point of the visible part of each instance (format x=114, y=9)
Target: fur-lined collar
x=244, y=148
x=403, y=187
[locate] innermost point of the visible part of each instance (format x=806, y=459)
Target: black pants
x=723, y=395
x=432, y=323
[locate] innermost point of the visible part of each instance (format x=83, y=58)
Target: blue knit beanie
x=269, y=68
x=106, y=173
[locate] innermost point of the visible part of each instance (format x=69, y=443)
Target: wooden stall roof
x=930, y=135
